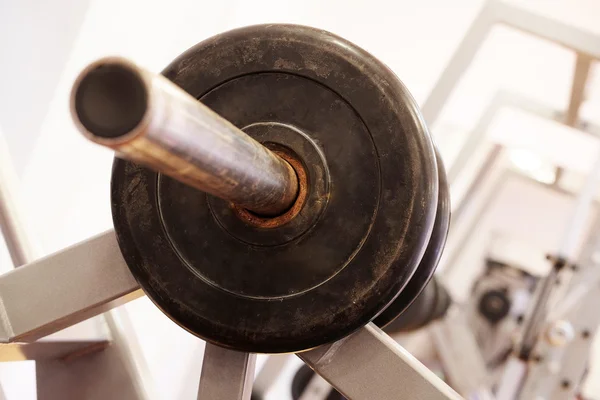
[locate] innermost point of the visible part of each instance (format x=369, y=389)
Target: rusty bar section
x=147, y=119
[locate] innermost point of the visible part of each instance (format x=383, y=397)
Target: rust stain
x=274, y=222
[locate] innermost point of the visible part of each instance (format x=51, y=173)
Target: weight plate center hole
x=273, y=222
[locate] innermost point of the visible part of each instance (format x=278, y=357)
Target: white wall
x=36, y=39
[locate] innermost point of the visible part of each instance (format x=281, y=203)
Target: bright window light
x=532, y=165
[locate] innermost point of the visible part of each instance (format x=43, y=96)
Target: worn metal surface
x=226, y=374
x=270, y=222
x=370, y=365
x=64, y=288
x=348, y=252
x=169, y=131
x=300, y=151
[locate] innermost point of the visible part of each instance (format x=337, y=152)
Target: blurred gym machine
x=497, y=307
x=90, y=278
x=496, y=315
x=523, y=377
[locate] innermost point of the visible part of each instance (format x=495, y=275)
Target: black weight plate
x=432, y=255
x=431, y=304
x=351, y=260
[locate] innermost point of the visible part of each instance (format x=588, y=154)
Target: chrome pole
x=147, y=119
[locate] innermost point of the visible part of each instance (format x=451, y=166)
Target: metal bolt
x=560, y=333
x=585, y=334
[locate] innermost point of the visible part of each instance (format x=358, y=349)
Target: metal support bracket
x=370, y=365
x=62, y=289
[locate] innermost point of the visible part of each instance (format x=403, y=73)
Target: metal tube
x=146, y=118
x=370, y=365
